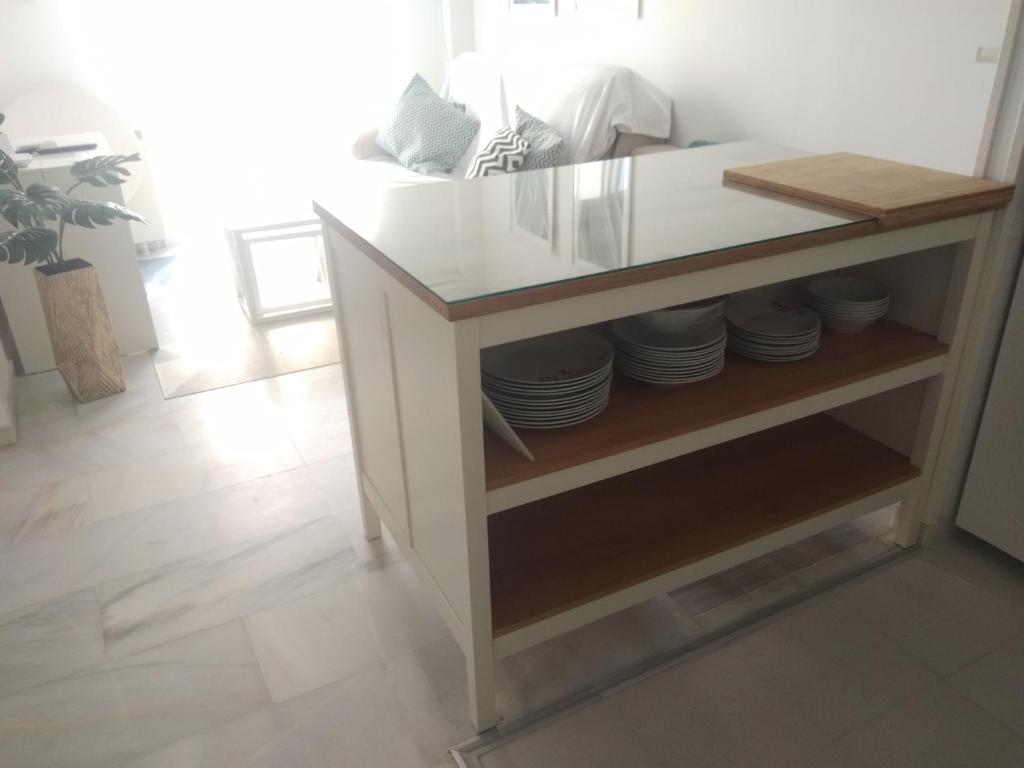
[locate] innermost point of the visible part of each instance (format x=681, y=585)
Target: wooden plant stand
x=83, y=340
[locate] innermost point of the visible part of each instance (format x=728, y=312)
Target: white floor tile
x=714, y=710
x=109, y=714
x=936, y=728
x=836, y=669
x=306, y=644
x=935, y=616
x=996, y=683
x=590, y=738
x=49, y=641
x=174, y=600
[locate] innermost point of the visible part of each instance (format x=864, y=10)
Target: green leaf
x=103, y=170
x=27, y=245
x=8, y=170
x=86, y=213
x=39, y=203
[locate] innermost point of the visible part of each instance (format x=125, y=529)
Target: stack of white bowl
x=772, y=331
x=678, y=345
x=550, y=381
x=848, y=304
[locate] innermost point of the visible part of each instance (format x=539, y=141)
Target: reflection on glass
x=533, y=204
x=603, y=199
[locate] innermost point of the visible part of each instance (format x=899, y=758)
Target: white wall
x=892, y=78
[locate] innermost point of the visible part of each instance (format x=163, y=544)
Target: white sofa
x=600, y=112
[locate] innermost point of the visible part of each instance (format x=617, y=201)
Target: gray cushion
x=503, y=154
x=547, y=149
x=426, y=134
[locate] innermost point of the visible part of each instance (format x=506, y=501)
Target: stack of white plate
x=549, y=381
x=672, y=346
x=772, y=331
x=848, y=304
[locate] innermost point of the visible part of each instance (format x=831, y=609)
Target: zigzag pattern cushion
x=426, y=134
x=503, y=154
x=547, y=149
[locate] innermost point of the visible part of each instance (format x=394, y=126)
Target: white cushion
x=588, y=105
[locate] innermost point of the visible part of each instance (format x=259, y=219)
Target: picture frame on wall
x=618, y=9
x=532, y=7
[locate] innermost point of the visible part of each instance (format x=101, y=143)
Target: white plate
x=549, y=401
x=650, y=357
x=667, y=379
x=531, y=390
x=556, y=423
x=540, y=411
x=772, y=319
x=626, y=364
x=773, y=341
x=564, y=357
x=773, y=352
x=632, y=331
x=775, y=358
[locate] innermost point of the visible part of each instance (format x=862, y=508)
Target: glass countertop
x=501, y=234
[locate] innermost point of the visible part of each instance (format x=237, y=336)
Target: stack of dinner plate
x=848, y=304
x=772, y=331
x=672, y=346
x=549, y=381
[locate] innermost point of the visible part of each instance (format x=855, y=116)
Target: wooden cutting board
x=894, y=193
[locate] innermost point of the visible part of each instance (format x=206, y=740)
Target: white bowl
x=683, y=316
x=846, y=325
x=843, y=289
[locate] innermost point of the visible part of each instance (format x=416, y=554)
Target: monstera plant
x=76, y=316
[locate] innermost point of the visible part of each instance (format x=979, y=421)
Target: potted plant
x=76, y=315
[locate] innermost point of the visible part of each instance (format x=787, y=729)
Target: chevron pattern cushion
x=503, y=154
x=547, y=149
x=426, y=134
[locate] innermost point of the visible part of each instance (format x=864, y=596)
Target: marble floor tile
x=49, y=641
x=839, y=564
x=996, y=683
x=726, y=586
x=260, y=738
x=749, y=603
x=714, y=710
x=111, y=713
x=152, y=607
x=935, y=616
x=360, y=722
x=981, y=564
x=834, y=667
x=589, y=738
x=33, y=513
x=400, y=612
x=113, y=548
x=191, y=472
x=308, y=643
x=936, y=728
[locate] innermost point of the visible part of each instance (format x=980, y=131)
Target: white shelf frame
x=422, y=470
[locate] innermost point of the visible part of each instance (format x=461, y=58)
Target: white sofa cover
x=588, y=106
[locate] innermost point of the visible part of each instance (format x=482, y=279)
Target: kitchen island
x=667, y=485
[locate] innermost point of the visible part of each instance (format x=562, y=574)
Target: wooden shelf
x=640, y=414
x=567, y=550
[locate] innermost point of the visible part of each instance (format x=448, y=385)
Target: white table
x=110, y=249
x=668, y=485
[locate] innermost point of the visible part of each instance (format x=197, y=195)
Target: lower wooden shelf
x=561, y=552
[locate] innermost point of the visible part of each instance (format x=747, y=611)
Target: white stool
x=274, y=301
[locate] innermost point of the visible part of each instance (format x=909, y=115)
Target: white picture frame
x=532, y=7
x=615, y=9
